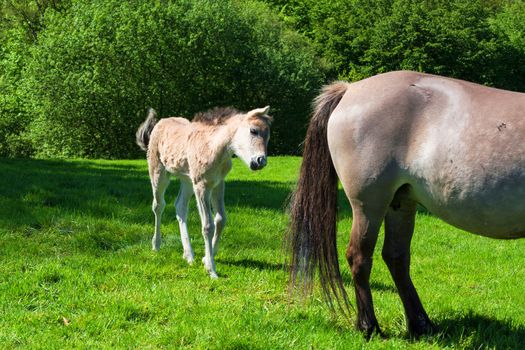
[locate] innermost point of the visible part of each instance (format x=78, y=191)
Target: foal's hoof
x=213, y=274
x=155, y=245
x=188, y=258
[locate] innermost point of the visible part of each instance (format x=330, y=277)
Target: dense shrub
x=97, y=67
x=468, y=39
x=14, y=139
x=77, y=76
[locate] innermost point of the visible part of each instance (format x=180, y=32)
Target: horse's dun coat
x=199, y=154
x=396, y=140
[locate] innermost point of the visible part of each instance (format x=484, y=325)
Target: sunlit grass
x=77, y=270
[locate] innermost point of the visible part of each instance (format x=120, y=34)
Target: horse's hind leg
x=217, y=198
x=160, y=180
x=181, y=206
x=399, y=226
x=365, y=228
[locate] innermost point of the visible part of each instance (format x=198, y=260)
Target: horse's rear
x=396, y=140
x=455, y=147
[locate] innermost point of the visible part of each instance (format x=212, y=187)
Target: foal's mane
x=215, y=116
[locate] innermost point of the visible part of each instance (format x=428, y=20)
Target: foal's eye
x=254, y=131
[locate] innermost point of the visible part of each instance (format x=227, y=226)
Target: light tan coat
x=199, y=154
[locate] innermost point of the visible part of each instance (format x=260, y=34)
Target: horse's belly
x=498, y=212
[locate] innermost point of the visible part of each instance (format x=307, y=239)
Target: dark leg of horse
x=399, y=226
x=365, y=228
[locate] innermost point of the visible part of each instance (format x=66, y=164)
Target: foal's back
x=168, y=144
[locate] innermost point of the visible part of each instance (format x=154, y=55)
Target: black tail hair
x=313, y=208
x=145, y=129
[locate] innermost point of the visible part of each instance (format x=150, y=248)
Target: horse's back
x=457, y=144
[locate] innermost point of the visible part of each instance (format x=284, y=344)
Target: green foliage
x=96, y=68
x=20, y=23
x=76, y=76
x=455, y=38
x=13, y=121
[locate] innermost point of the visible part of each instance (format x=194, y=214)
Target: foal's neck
x=222, y=137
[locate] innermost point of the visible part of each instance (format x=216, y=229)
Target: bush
x=14, y=123
x=96, y=68
x=465, y=39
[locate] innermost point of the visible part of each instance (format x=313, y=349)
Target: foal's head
x=250, y=142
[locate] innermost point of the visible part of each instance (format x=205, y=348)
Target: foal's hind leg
x=399, y=226
x=181, y=206
x=160, y=180
x=217, y=198
x=365, y=228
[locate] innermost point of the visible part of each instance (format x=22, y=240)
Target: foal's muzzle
x=258, y=162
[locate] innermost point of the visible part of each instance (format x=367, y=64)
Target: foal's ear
x=258, y=111
x=261, y=112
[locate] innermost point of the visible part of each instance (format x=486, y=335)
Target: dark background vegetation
x=77, y=76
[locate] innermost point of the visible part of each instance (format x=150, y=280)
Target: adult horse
x=199, y=154
x=396, y=140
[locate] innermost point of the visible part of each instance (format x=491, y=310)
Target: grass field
x=77, y=270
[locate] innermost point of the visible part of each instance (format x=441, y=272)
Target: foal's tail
x=313, y=213
x=145, y=129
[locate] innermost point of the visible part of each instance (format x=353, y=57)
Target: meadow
x=77, y=270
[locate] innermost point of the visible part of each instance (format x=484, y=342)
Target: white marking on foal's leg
x=203, y=195
x=159, y=184
x=220, y=216
x=181, y=205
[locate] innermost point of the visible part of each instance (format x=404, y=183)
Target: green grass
x=77, y=270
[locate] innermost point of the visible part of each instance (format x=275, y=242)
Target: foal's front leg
x=203, y=196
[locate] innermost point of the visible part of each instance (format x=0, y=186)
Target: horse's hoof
x=370, y=329
x=213, y=275
x=424, y=327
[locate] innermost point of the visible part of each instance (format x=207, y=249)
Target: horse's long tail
x=145, y=129
x=313, y=212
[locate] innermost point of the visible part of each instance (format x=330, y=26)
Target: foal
x=199, y=154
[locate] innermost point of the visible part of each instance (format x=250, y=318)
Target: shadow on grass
x=33, y=189
x=253, y=264
x=479, y=332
